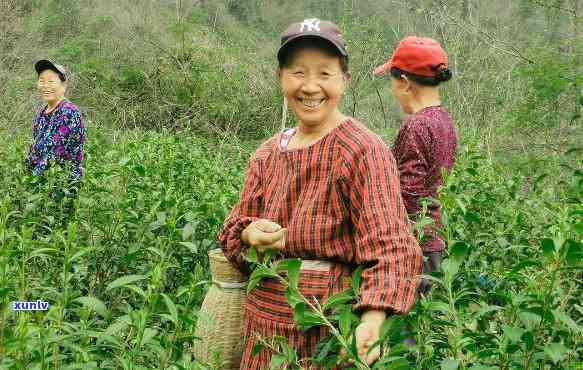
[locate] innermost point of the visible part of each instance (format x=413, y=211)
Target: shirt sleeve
x=74, y=144
x=384, y=244
x=411, y=152
x=30, y=156
x=35, y=125
x=247, y=210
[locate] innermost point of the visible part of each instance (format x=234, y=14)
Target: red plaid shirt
x=340, y=201
x=425, y=144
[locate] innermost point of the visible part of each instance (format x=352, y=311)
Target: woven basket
x=224, y=305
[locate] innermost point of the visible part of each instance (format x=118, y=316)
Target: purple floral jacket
x=58, y=136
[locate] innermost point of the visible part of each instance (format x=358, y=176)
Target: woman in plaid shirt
x=326, y=191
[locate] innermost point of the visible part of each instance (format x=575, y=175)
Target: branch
x=382, y=106
x=513, y=50
x=548, y=6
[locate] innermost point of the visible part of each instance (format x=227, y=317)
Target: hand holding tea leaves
x=366, y=337
x=367, y=334
x=264, y=235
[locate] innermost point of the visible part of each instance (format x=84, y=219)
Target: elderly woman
x=326, y=191
x=58, y=127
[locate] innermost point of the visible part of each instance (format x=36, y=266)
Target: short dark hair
x=311, y=42
x=441, y=75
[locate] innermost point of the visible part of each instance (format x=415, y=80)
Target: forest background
x=177, y=94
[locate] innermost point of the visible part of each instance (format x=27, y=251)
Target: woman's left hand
x=367, y=334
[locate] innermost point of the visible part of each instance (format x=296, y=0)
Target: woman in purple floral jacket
x=58, y=128
x=58, y=132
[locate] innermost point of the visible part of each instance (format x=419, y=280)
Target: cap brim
x=382, y=69
x=338, y=47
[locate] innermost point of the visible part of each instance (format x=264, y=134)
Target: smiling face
x=50, y=86
x=313, y=83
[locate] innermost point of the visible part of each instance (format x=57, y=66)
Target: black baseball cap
x=44, y=64
x=316, y=28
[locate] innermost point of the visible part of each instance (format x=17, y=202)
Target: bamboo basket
x=224, y=305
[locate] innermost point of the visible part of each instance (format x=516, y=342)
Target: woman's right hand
x=264, y=235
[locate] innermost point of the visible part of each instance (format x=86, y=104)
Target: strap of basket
x=225, y=285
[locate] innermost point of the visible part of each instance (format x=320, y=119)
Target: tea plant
x=123, y=269
x=507, y=296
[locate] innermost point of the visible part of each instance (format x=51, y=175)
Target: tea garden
x=125, y=270
x=125, y=274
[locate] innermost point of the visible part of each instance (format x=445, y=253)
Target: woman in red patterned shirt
x=427, y=140
x=327, y=192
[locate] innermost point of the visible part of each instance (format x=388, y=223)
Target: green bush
x=124, y=274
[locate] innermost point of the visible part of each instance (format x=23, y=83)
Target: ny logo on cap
x=312, y=24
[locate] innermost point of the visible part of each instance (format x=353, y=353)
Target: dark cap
x=316, y=28
x=44, y=64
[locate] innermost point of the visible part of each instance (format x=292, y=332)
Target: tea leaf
x=93, y=304
x=355, y=280
x=513, y=333
x=450, y=267
x=140, y=170
x=345, y=322
x=548, y=247
x=149, y=334
x=458, y=251
x=293, y=296
x=123, y=161
x=556, y=351
x=292, y=267
x=124, y=281
x=252, y=256
x=79, y=254
x=261, y=272
x=568, y=322
x=41, y=252
x=187, y=231
x=338, y=299
x=437, y=306
x=305, y=318
x=193, y=248
x=120, y=324
x=529, y=319
x=277, y=362
x=450, y=364
x=257, y=348
x=171, y=308
x=524, y=264
x=574, y=255
x=391, y=328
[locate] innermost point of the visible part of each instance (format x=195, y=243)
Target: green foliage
x=62, y=17
x=124, y=272
x=550, y=94
x=506, y=296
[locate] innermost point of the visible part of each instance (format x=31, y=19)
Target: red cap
x=422, y=56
